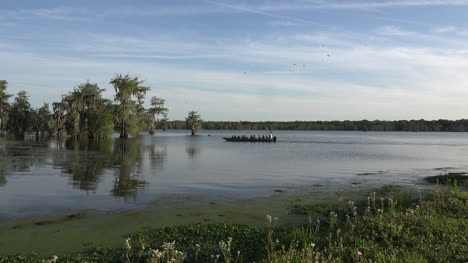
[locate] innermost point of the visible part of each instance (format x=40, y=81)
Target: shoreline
x=81, y=230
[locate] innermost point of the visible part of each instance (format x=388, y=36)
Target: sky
x=248, y=60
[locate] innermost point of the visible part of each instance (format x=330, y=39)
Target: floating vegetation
x=51, y=221
x=383, y=231
x=298, y=207
x=388, y=189
x=459, y=178
x=443, y=168
x=374, y=173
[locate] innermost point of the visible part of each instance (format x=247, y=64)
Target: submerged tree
x=4, y=105
x=130, y=95
x=157, y=108
x=163, y=123
x=193, y=122
x=87, y=113
x=58, y=118
x=19, y=121
x=41, y=120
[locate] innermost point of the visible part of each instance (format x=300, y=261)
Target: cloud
x=345, y=5
x=394, y=31
x=297, y=73
x=389, y=4
x=271, y=9
x=57, y=13
x=444, y=29
x=283, y=23
x=369, y=81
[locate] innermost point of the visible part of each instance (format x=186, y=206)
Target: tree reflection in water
x=85, y=162
x=127, y=157
x=19, y=156
x=3, y=165
x=157, y=155
x=191, y=148
x=88, y=160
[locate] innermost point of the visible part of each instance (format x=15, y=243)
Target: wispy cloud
x=444, y=29
x=264, y=60
x=260, y=11
x=362, y=5
x=394, y=31
x=207, y=7
x=57, y=13
x=387, y=4
x=353, y=72
x=283, y=23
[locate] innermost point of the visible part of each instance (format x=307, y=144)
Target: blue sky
x=249, y=60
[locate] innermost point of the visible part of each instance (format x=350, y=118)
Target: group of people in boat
x=255, y=138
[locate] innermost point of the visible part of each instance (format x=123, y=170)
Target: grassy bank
x=381, y=229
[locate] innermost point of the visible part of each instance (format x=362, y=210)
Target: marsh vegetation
x=381, y=229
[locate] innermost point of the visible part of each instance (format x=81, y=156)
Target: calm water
x=50, y=176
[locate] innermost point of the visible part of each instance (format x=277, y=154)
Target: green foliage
x=130, y=95
x=83, y=112
x=433, y=230
x=193, y=122
x=449, y=178
x=58, y=118
x=20, y=116
x=363, y=125
x=42, y=120
x=157, y=108
x=4, y=105
x=247, y=239
x=299, y=207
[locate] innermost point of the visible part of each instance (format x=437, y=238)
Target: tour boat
x=249, y=140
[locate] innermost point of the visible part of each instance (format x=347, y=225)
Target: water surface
x=52, y=176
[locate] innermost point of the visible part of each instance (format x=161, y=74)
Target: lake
x=46, y=177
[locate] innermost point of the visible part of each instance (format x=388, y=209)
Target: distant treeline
x=363, y=125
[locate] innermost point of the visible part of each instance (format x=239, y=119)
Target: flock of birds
x=302, y=68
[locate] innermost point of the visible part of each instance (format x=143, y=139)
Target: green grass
x=380, y=230
x=449, y=178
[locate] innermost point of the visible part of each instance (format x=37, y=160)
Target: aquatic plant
x=381, y=230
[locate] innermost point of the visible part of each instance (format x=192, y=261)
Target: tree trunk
x=123, y=131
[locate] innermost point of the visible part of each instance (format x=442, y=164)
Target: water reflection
x=85, y=161
x=20, y=156
x=69, y=174
x=192, y=148
x=157, y=155
x=3, y=165
x=127, y=156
